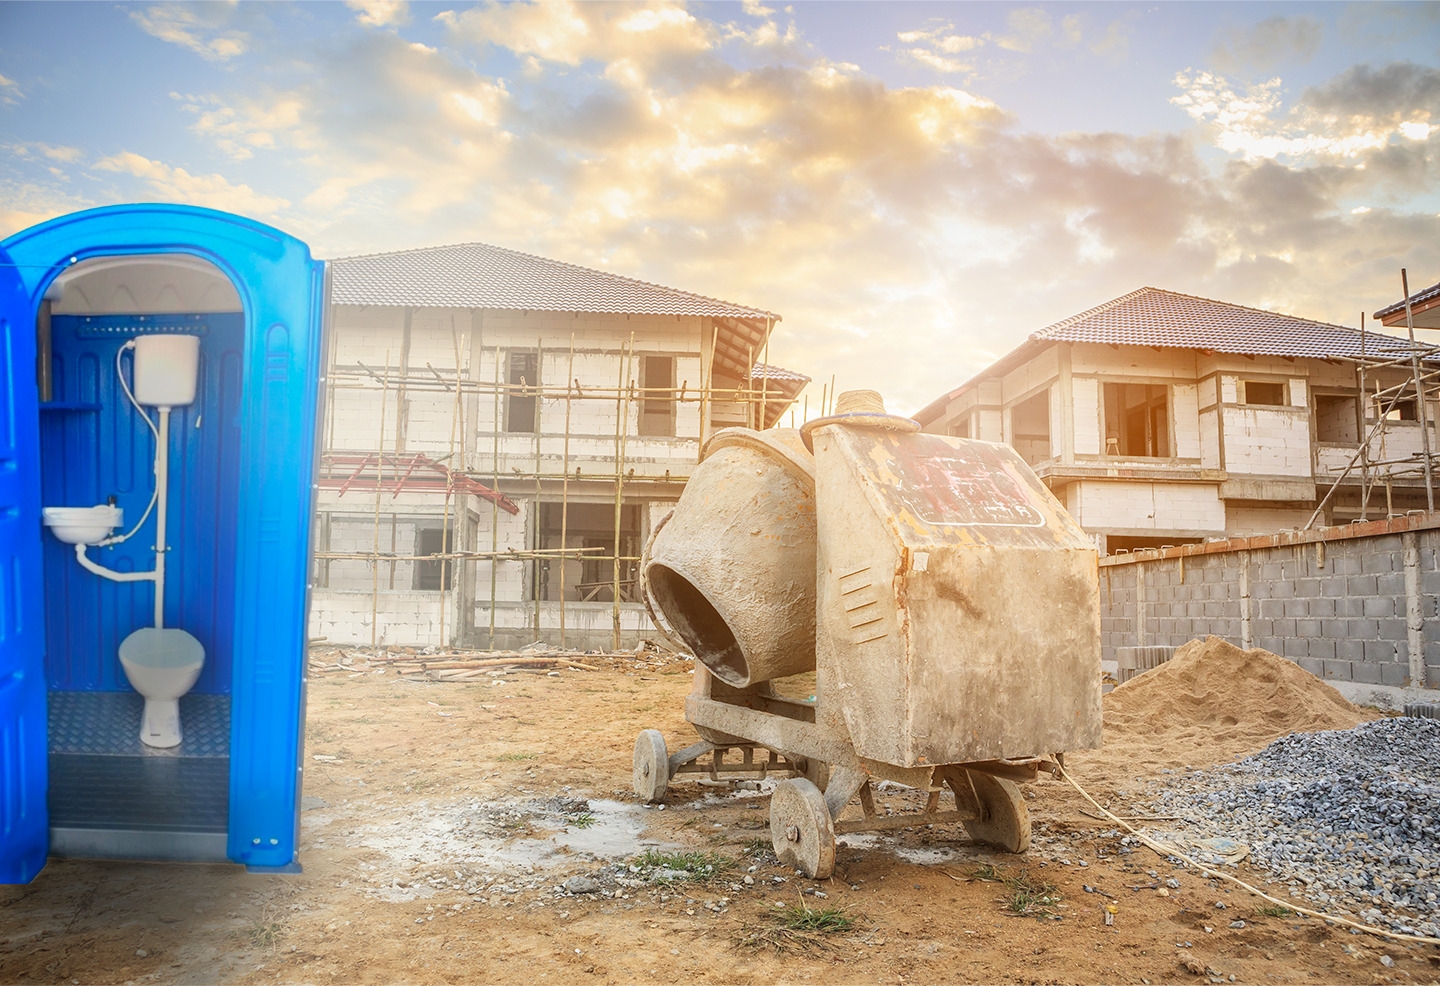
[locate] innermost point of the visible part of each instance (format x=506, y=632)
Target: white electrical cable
x=120, y=373
x=1168, y=850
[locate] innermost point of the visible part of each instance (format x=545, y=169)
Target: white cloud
x=199, y=27
x=381, y=13
x=30, y=151
x=23, y=204
x=10, y=92
x=1252, y=122
x=178, y=185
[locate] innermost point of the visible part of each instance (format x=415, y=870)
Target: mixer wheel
x=652, y=766
x=801, y=831
x=1004, y=821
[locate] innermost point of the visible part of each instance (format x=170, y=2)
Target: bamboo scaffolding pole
x=1365, y=448
x=565, y=485
x=622, y=429
x=447, y=571
x=765, y=381
x=495, y=485
x=380, y=474
x=1421, y=414
x=537, y=569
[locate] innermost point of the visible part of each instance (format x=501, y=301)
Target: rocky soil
x=484, y=831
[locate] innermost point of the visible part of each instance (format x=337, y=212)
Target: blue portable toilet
x=81, y=297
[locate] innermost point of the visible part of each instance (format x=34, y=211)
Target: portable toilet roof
x=282, y=294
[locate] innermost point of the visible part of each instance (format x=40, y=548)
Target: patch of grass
x=988, y=873
x=803, y=917
x=694, y=865
x=267, y=930
x=517, y=757
x=796, y=929
x=1029, y=898
x=756, y=847
x=581, y=820
x=1274, y=911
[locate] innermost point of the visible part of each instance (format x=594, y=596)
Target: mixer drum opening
x=699, y=624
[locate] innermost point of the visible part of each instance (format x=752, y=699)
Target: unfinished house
x=503, y=432
x=1164, y=419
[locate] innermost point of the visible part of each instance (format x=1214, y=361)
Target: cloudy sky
x=913, y=187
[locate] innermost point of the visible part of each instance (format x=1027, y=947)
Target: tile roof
x=1416, y=300
x=1168, y=319
x=476, y=275
x=767, y=372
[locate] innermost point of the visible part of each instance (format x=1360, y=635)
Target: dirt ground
x=444, y=819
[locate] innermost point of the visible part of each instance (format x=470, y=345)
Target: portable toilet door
x=282, y=295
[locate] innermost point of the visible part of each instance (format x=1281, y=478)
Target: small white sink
x=82, y=525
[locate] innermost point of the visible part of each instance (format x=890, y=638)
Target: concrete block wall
x=588, y=626
x=410, y=619
x=1359, y=603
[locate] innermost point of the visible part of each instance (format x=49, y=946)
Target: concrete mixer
x=947, y=603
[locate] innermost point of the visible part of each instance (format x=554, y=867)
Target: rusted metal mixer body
x=947, y=603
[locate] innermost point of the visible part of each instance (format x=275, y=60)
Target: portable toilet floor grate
x=946, y=602
x=161, y=381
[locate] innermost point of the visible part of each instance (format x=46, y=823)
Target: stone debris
x=1347, y=818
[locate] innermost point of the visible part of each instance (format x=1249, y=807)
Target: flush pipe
x=162, y=498
x=160, y=502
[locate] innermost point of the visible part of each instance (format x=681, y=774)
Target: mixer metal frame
x=808, y=741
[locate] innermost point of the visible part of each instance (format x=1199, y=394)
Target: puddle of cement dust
x=920, y=857
x=466, y=835
x=923, y=857
x=613, y=833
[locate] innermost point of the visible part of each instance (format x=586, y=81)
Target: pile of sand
x=1213, y=702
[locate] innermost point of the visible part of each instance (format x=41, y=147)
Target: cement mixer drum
x=733, y=569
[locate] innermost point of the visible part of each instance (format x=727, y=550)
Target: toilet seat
x=162, y=665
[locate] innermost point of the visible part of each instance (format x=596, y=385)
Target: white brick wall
x=1210, y=438
x=1267, y=441
x=1184, y=402
x=1206, y=392
x=989, y=425
x=1147, y=506
x=1243, y=520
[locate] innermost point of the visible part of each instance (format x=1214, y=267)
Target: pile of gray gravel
x=1350, y=819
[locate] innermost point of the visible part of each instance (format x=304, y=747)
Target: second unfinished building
x=502, y=433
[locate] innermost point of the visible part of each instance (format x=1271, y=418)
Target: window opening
x=1030, y=428
x=434, y=575
x=1403, y=409
x=521, y=405
x=657, y=410
x=1265, y=394
x=1335, y=421
x=589, y=577
x=1137, y=420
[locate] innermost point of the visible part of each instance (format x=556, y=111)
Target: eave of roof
x=1422, y=300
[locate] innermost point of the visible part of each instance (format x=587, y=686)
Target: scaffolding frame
x=1422, y=387
x=758, y=401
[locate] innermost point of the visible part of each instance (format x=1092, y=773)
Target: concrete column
x=1246, y=640
x=1414, y=611
x=1140, y=639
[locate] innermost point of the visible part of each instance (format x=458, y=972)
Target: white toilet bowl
x=162, y=665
